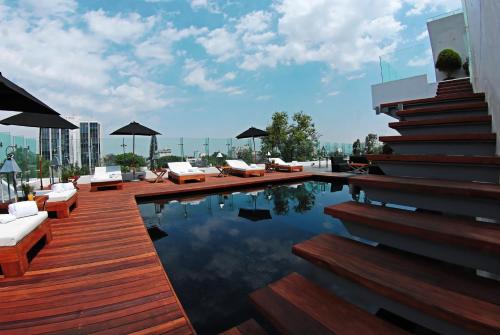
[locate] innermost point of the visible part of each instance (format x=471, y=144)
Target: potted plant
x=27, y=191
x=448, y=61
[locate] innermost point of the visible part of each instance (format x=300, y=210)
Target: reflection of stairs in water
x=425, y=269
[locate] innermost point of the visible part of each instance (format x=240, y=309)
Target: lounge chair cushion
x=62, y=187
x=183, y=169
x=60, y=196
x=13, y=232
x=23, y=208
x=241, y=165
x=279, y=161
x=6, y=218
x=106, y=174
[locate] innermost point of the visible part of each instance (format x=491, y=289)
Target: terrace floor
x=101, y=273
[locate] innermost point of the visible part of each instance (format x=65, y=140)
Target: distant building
x=164, y=152
x=80, y=147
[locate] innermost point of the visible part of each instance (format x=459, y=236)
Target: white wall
x=410, y=88
x=483, y=25
x=448, y=33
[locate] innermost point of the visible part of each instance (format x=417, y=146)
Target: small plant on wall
x=448, y=61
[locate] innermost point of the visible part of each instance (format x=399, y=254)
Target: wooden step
x=454, y=82
x=249, y=327
x=474, y=108
x=459, y=168
x=432, y=288
x=447, y=144
x=446, y=196
x=452, y=239
x=456, y=89
x=451, y=98
x=446, y=125
x=294, y=305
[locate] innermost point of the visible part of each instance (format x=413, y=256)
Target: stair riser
x=444, y=148
x=487, y=174
x=444, y=102
x=458, y=89
x=443, y=114
x=466, y=128
x=459, y=256
x=449, y=204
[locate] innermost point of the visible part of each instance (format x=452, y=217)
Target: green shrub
x=448, y=61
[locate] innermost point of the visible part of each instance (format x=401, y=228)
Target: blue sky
x=203, y=68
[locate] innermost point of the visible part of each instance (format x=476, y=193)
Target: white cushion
x=23, y=208
x=113, y=171
x=60, y=196
x=180, y=167
x=59, y=187
x=242, y=166
x=105, y=179
x=68, y=186
x=6, y=218
x=13, y=232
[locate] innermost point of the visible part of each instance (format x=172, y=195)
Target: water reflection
x=215, y=257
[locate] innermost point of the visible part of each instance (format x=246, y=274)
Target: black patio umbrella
x=25, y=119
x=134, y=128
x=17, y=99
x=255, y=214
x=252, y=133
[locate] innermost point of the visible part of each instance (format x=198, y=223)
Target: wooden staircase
x=435, y=216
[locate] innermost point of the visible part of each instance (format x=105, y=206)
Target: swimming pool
x=218, y=248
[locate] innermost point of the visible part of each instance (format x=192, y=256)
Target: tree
x=128, y=160
x=109, y=159
x=153, y=148
x=371, y=144
x=356, y=147
x=163, y=161
x=296, y=141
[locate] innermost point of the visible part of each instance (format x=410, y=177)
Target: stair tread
x=432, y=287
x=249, y=327
x=434, y=186
x=466, y=106
x=480, y=137
x=443, y=98
x=442, y=121
x=451, y=230
x=294, y=305
x=439, y=159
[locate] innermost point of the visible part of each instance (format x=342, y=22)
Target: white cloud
x=264, y=97
x=220, y=43
x=356, y=76
x=198, y=75
x=423, y=35
x=422, y=60
x=120, y=27
x=43, y=8
x=333, y=93
x=419, y=7
x=209, y=5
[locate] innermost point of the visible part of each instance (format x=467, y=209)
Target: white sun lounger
x=240, y=168
x=180, y=172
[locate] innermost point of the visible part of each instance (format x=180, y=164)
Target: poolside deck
x=101, y=273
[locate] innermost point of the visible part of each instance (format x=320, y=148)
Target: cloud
x=422, y=60
x=423, y=35
x=264, y=97
x=356, y=76
x=418, y=7
x=49, y=7
x=197, y=75
x=333, y=93
x=118, y=28
x=220, y=43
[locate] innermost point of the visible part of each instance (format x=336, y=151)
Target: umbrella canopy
x=134, y=128
x=15, y=98
x=153, y=148
x=252, y=133
x=34, y=120
x=255, y=214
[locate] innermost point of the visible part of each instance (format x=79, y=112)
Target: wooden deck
x=101, y=273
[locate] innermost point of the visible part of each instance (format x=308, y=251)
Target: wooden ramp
x=101, y=273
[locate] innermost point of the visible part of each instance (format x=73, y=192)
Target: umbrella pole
x=254, y=153
x=40, y=156
x=133, y=157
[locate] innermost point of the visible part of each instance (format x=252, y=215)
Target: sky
x=206, y=68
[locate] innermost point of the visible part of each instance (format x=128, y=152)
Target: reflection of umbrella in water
x=156, y=233
x=187, y=202
x=254, y=214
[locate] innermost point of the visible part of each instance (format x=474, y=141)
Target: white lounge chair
x=106, y=176
x=62, y=197
x=180, y=172
x=19, y=232
x=281, y=165
x=240, y=168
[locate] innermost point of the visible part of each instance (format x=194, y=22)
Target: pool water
x=222, y=247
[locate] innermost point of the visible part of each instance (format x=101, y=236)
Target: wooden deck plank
x=90, y=280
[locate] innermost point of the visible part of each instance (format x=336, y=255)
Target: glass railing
x=408, y=62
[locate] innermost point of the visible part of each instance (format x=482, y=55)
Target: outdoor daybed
x=106, y=176
x=240, y=168
x=180, y=172
x=281, y=165
x=62, y=198
x=20, y=230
